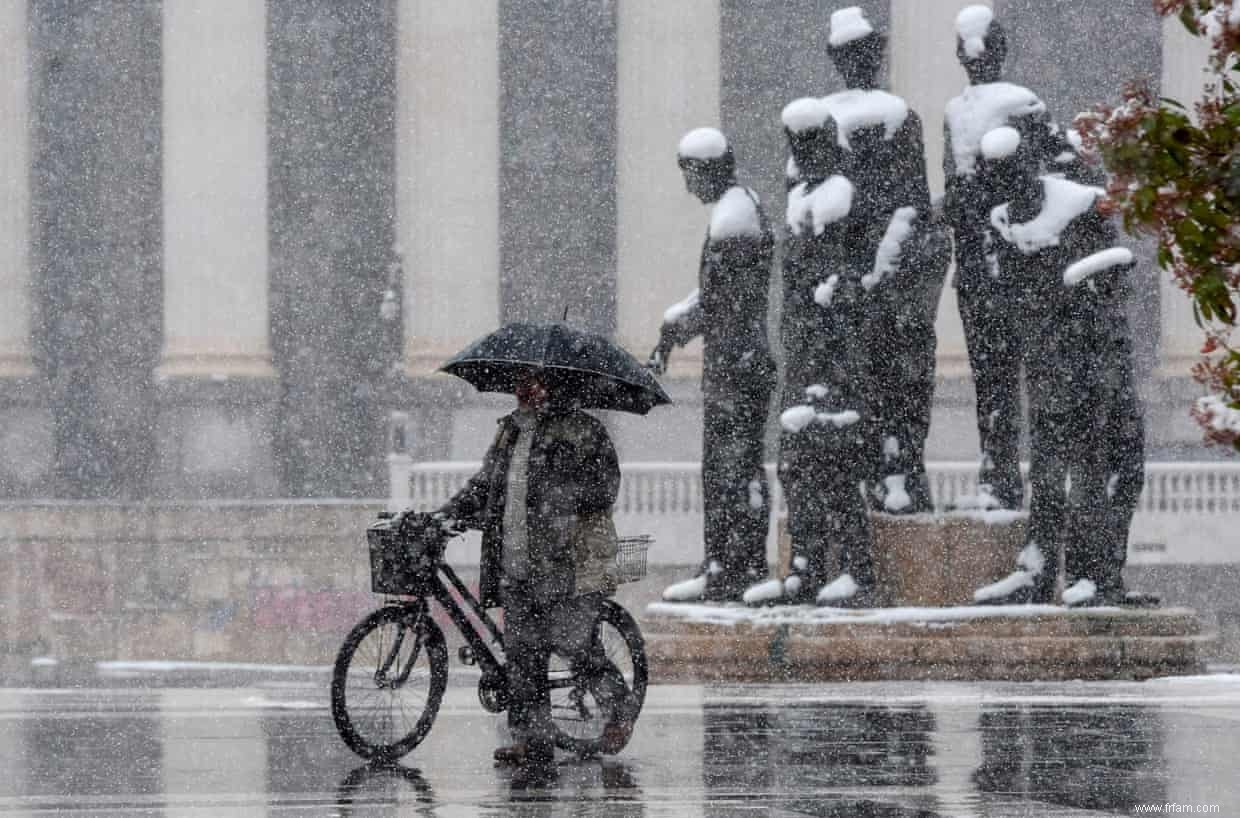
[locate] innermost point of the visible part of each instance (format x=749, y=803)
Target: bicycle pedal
x=466, y=655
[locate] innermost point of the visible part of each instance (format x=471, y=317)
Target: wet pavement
x=893, y=750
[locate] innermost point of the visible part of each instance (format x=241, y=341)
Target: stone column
x=447, y=204
x=667, y=83
x=447, y=161
x=924, y=70
x=15, y=358
x=557, y=163
x=216, y=377
x=1185, y=73
x=1171, y=390
x=25, y=433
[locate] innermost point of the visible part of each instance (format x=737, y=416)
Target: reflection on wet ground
x=883, y=750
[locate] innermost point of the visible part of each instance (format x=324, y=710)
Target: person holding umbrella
x=543, y=500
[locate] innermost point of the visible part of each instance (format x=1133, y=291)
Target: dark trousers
x=1100, y=445
x=819, y=470
x=902, y=389
x=1113, y=472
x=534, y=628
x=993, y=339
x=735, y=495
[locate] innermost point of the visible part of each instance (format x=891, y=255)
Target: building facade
x=237, y=235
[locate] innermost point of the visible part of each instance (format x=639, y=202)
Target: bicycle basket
x=631, y=557
x=398, y=562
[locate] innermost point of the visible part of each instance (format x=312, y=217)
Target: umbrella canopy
x=583, y=367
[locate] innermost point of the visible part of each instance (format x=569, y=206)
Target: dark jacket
x=574, y=477
x=730, y=314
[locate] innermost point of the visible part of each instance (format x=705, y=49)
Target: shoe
x=534, y=776
x=712, y=584
x=512, y=755
x=615, y=736
x=846, y=592
x=794, y=589
x=1025, y=586
x=1081, y=593
x=1085, y=593
x=521, y=753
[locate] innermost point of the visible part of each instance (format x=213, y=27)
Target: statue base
x=707, y=643
x=937, y=559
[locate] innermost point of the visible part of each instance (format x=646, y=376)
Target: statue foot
x=1085, y=593
x=846, y=592
x=791, y=590
x=1021, y=587
x=711, y=584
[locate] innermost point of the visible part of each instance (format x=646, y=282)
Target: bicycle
x=391, y=672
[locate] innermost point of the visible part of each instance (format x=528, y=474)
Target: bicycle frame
x=441, y=590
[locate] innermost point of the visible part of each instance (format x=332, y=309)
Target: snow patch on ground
x=275, y=704
x=735, y=214
x=161, y=666
x=737, y=614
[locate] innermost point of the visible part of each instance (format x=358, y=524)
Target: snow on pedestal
x=734, y=642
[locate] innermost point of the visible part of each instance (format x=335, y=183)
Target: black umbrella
x=583, y=367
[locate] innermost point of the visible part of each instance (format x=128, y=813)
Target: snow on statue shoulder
x=857, y=108
x=980, y=109
x=820, y=206
x=735, y=214
x=1064, y=202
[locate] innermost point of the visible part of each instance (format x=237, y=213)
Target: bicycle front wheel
x=388, y=682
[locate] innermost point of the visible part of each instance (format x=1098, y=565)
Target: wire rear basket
x=631, y=557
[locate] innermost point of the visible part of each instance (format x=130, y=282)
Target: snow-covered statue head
x=1009, y=160
x=812, y=139
x=856, y=48
x=981, y=44
x=707, y=161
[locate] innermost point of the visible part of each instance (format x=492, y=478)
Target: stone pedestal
x=937, y=559
x=696, y=643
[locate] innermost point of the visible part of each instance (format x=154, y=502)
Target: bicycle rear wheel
x=605, y=692
x=388, y=682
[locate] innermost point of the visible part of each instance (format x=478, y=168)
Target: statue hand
x=657, y=362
